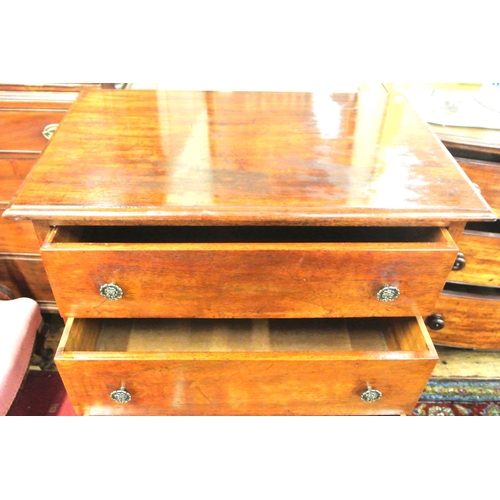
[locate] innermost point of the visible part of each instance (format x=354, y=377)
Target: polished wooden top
x=135, y=156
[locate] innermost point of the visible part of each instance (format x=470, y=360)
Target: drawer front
x=26, y=277
x=247, y=280
x=13, y=171
x=17, y=236
x=245, y=383
x=487, y=176
x=219, y=388
x=482, y=259
x=470, y=320
x=22, y=130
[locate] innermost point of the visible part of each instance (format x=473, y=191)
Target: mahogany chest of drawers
x=246, y=253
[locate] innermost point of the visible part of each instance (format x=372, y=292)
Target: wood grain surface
x=25, y=275
x=482, y=259
x=247, y=158
x=471, y=319
x=13, y=171
x=487, y=176
x=17, y=237
x=321, y=369
x=22, y=128
x=249, y=279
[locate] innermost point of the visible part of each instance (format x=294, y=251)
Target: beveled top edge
x=259, y=216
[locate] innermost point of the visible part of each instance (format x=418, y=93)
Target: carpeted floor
x=460, y=397
x=43, y=394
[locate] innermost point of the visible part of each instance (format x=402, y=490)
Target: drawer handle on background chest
x=371, y=395
x=49, y=130
x=111, y=291
x=388, y=293
x=435, y=322
x=121, y=395
x=459, y=262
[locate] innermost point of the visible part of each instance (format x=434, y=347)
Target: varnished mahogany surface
x=17, y=237
x=487, y=176
x=13, y=171
x=246, y=158
x=248, y=279
x=282, y=367
x=482, y=259
x=25, y=275
x=22, y=130
x=471, y=319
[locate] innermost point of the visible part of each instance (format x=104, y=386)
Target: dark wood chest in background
x=468, y=311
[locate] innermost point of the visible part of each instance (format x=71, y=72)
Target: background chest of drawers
x=29, y=116
x=246, y=253
x=468, y=311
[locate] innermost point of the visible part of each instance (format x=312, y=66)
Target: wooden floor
x=453, y=362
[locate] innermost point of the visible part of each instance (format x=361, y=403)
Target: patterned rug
x=473, y=397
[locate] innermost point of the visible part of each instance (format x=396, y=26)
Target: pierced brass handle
x=49, y=131
x=371, y=395
x=121, y=395
x=388, y=293
x=111, y=291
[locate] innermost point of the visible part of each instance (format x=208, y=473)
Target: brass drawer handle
x=371, y=395
x=111, y=291
x=121, y=395
x=388, y=293
x=49, y=131
x=459, y=262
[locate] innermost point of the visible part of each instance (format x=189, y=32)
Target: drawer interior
x=247, y=234
x=472, y=291
x=382, y=337
x=491, y=229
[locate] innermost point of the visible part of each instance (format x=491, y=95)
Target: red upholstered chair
x=20, y=322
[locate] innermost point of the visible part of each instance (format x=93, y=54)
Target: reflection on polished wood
x=247, y=158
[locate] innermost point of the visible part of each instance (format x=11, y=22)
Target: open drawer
x=247, y=272
x=245, y=367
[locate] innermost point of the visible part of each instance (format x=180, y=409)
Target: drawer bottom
x=245, y=367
